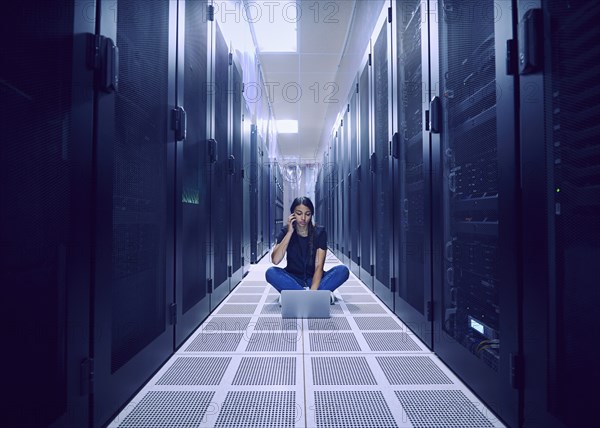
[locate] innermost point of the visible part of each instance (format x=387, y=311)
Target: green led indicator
x=558, y=190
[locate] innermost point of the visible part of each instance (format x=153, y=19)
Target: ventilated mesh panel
x=417, y=370
x=276, y=323
x=258, y=409
x=215, y=342
x=391, y=342
x=266, y=371
x=365, y=308
x=442, y=409
x=333, y=342
x=234, y=308
x=249, y=290
x=140, y=201
x=226, y=324
x=195, y=371
x=329, y=324
x=245, y=298
x=342, y=371
x=377, y=323
x=358, y=298
x=271, y=309
x=273, y=342
x=356, y=409
x=169, y=409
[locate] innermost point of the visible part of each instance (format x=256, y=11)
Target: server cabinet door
x=133, y=278
x=219, y=186
x=472, y=133
x=249, y=212
x=254, y=183
x=235, y=175
x=192, y=193
x=366, y=192
x=412, y=195
x=560, y=170
x=382, y=197
x=46, y=117
x=355, y=201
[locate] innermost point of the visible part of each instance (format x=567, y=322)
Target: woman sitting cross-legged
x=306, y=248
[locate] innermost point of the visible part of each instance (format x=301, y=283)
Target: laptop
x=305, y=304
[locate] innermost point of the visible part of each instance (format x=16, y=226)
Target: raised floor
x=245, y=366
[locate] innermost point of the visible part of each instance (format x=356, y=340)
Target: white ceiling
x=295, y=77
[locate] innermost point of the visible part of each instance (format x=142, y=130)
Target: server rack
x=46, y=112
x=366, y=175
x=383, y=248
x=135, y=157
x=411, y=182
x=235, y=269
x=220, y=202
x=192, y=179
x=248, y=128
x=472, y=139
x=355, y=201
x=265, y=200
x=561, y=209
x=337, y=225
x=254, y=182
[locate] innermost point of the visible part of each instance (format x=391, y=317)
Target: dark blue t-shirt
x=299, y=261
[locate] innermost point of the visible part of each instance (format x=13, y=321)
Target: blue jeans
x=283, y=280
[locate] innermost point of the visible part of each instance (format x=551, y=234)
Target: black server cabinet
x=235, y=173
x=345, y=167
x=382, y=173
x=134, y=165
x=560, y=175
x=411, y=182
x=339, y=210
x=265, y=201
x=219, y=185
x=355, y=200
x=365, y=168
x=192, y=203
x=249, y=213
x=46, y=117
x=473, y=159
x=254, y=182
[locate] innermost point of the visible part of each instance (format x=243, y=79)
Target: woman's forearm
x=280, y=249
x=316, y=281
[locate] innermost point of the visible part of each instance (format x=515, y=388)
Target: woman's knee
x=271, y=273
x=343, y=271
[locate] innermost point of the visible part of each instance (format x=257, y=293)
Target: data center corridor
x=246, y=366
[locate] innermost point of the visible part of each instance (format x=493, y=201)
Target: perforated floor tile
x=442, y=408
x=271, y=309
x=358, y=298
x=333, y=342
x=195, y=371
x=226, y=323
x=377, y=323
x=169, y=409
x=412, y=370
x=258, y=409
x=215, y=342
x=356, y=409
x=337, y=370
x=391, y=341
x=329, y=324
x=277, y=323
x=273, y=342
x=249, y=290
x=235, y=309
x=365, y=308
x=244, y=298
x=266, y=371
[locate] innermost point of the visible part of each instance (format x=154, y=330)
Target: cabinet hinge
x=393, y=285
x=389, y=14
x=369, y=59
x=429, y=310
x=372, y=270
x=210, y=12
x=229, y=271
x=230, y=59
x=209, y=285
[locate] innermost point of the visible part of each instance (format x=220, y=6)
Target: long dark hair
x=303, y=200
